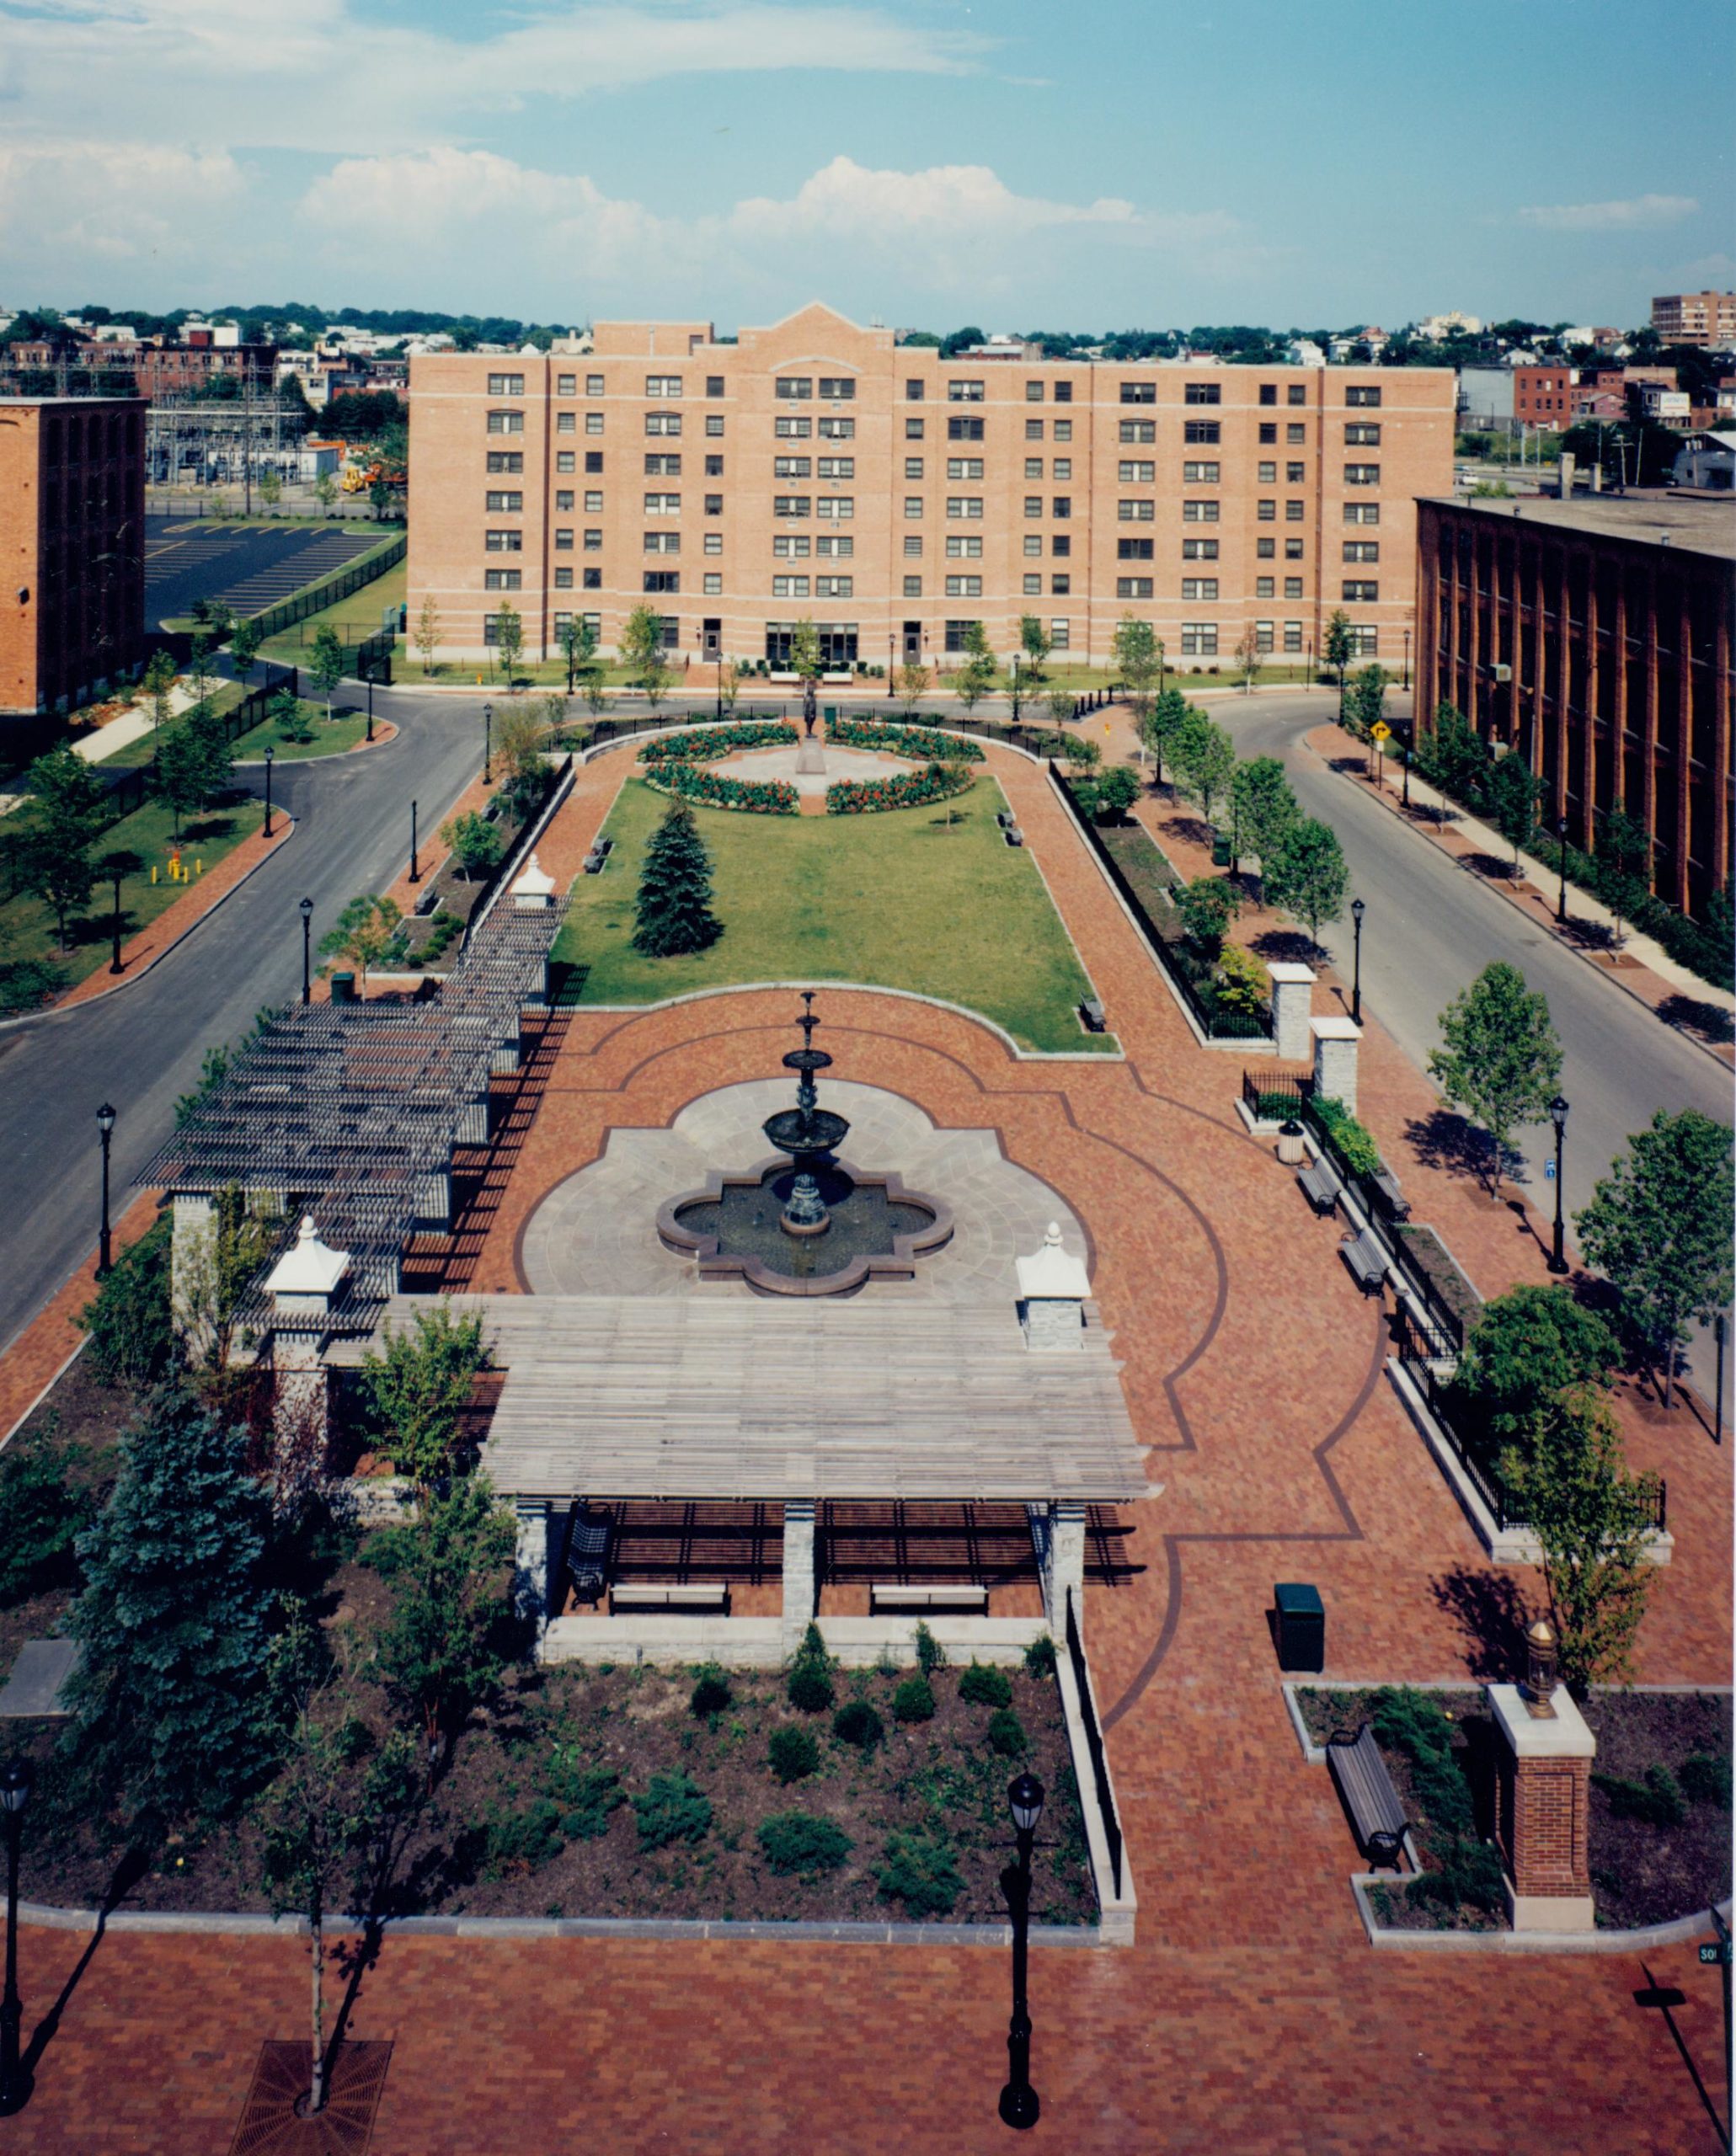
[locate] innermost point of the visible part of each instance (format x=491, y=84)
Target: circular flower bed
x=706, y=744
x=924, y=742
x=756, y=797
x=909, y=789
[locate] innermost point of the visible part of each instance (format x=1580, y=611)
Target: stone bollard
x=1542, y=1808
x=1292, y=1008
x=1335, y=1041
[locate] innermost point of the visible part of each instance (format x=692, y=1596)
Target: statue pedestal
x=810, y=757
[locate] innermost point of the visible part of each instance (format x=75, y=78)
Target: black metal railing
x=128, y=791
x=1267, y=1093
x=1216, y=1024
x=371, y=660
x=331, y=589
x=1094, y=1745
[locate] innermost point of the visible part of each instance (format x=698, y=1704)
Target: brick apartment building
x=157, y=369
x=73, y=543
x=817, y=469
x=1702, y=318
x=1593, y=637
x=1543, y=396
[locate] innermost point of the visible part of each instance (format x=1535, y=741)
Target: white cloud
x=848, y=200
x=111, y=202
x=1639, y=213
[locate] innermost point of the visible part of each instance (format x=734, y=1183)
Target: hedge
x=712, y=741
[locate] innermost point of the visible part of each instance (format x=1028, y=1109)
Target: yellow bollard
x=154, y=872
x=198, y=864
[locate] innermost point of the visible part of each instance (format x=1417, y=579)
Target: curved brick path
x=1251, y=2016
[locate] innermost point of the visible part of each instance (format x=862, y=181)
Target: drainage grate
x=269, y=2124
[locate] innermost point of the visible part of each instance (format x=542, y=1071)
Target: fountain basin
x=734, y=1227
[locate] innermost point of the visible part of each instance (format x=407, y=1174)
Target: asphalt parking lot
x=247, y=567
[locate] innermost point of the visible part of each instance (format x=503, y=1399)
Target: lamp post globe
x=17, y=1780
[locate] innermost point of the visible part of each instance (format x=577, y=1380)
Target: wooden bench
x=1376, y=1814
x=695, y=1594
x=588, y=1551
x=1320, y=1186
x=1366, y=1260
x=1398, y=1206
x=893, y=1594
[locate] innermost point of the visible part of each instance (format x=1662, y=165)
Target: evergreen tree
x=169, y=1699
x=674, y=911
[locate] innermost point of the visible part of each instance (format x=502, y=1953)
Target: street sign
x=1549, y=1171
x=1381, y=730
x=1718, y=1951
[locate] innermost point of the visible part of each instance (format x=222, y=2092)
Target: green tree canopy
x=1160, y=725
x=1502, y=1060
x=1510, y=796
x=1202, y=759
x=1659, y=1224
x=1338, y=646
x=193, y=766
x=1139, y=661
x=673, y=912
x=419, y=1388
x=1207, y=906
x=578, y=643
x=1367, y=700
x=52, y=848
x=804, y=658
x=325, y=668
x=475, y=843
x=976, y=677
x=363, y=933
x=642, y=648
x=1307, y=876
x=449, y=1635
x=1036, y=643
x=1265, y=807
x=509, y=638
x=1527, y=1348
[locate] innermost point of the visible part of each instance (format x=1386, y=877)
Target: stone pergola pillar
x=1335, y=1044
x=302, y=1285
x=1053, y=1289
x=533, y=1521
x=1061, y=1557
x=1542, y=1809
x=799, y=1600
x=1292, y=1008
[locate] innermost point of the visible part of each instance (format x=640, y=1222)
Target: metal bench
x=1013, y=836
x=695, y=1594
x=588, y=1552
x=1397, y=1205
x=594, y=863
x=1366, y=1260
x=1376, y=1813
x=895, y=1594
x=1003, y=817
x=1320, y=1186
x=1091, y=1014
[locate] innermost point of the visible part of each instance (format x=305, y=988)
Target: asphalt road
x=1430, y=929
x=141, y=1047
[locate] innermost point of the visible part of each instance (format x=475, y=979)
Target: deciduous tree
x=913, y=684
x=1338, y=646
x=1036, y=643
x=976, y=677
x=1202, y=759
x=363, y=935
x=158, y=680
x=53, y=853
x=325, y=669
x=1160, y=725
x=1510, y=796
x=428, y=631
x=419, y=1388
x=1525, y=1350
x=448, y=1637
x=1265, y=808
x=1501, y=1061
x=641, y=647
x=508, y=639
x=1139, y=660
x=1306, y=876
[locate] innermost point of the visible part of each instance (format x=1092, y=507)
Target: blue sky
x=926, y=162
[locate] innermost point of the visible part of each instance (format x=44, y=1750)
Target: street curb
x=1676, y=1932
x=332, y=755
x=1507, y=899
x=65, y=1009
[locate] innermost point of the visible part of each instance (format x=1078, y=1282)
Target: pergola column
x=1063, y=1558
x=799, y=1600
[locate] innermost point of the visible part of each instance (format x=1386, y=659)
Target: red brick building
x=72, y=544
x=1593, y=637
x=157, y=369
x=1543, y=396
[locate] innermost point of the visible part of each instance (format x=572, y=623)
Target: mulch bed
x=1641, y=1874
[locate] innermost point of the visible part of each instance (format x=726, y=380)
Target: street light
x=370, y=708
x=1019, y=2107
x=106, y=1261
x=891, y=646
x=1016, y=656
x=415, y=865
x=487, y=744
x=1406, y=684
x=1561, y=896
x=1358, y=908
x=270, y=759
x=17, y=1780
x=1558, y=1117
x=306, y=913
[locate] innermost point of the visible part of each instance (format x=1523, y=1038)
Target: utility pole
x=247, y=434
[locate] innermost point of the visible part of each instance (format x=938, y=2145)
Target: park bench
x=1003, y=817
x=1091, y=1014
x=1320, y=1185
x=1013, y=836
x=588, y=1551
x=897, y=1594
x=1397, y=1205
x=693, y=1594
x=1366, y=1260
x=1376, y=1813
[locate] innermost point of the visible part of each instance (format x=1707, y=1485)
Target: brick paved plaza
x=1251, y=2016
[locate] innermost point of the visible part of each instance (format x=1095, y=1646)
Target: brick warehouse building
x=1594, y=638
x=72, y=542
x=819, y=469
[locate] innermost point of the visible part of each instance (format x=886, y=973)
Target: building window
x=1362, y=433
x=1266, y=474
x=663, y=505
x=1033, y=467
x=1063, y=430
x=714, y=424
x=837, y=468
x=833, y=429
x=913, y=587
x=663, y=542
x=957, y=635
x=1205, y=512
x=712, y=542
x=1297, y=431
x=1145, y=393
x=1200, y=587
x=912, y=543
x=789, y=587
x=1263, y=636
x=1266, y=550
x=1204, y=392
x=794, y=388
x=1294, y=474
x=1362, y=512
x=1134, y=550
x=1060, y=545
x=564, y=498
x=506, y=423
x=1367, y=394
x=594, y=461
x=1293, y=512
x=963, y=587
x=838, y=545
x=662, y=423
x=967, y=506
x=503, y=579
x=1359, y=593
x=593, y=423
x=1060, y=587
x=1033, y=505
x=1292, y=587
x=714, y=386
x=1137, y=472
x=564, y=580
x=1201, y=475
x=503, y=542
x=913, y=506
x=837, y=507
x=1064, y=392
x=964, y=392
x=564, y=539
x=714, y=468
x=1061, y=506
x=964, y=468
x=1292, y=636
x=593, y=541
x=1136, y=512
x=792, y=467
x=963, y=547
x=593, y=385
x=1268, y=432
x=566, y=385
x=1139, y=431
x=510, y=460
x=1265, y=587
x=1033, y=543
x=1034, y=431
x=1033, y=583
x=565, y=459
x=1199, y=639
x=791, y=506
x=1060, y=635
x=1365, y=640
x=836, y=387
x=914, y=391
x=788, y=427
x=504, y=505
x=1296, y=394
x=1268, y=392
x=1133, y=587
x=566, y=422
x=663, y=385
x=1362, y=550
x=713, y=584
x=834, y=587
x=662, y=580
x=1201, y=431
x=1033, y=394
x=506, y=385
x=964, y=426
x=913, y=429
x=1199, y=549
x=792, y=545
x=593, y=579
x=1266, y=511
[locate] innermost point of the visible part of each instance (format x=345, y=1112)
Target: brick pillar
x=1292, y=1007
x=1542, y=1810
x=799, y=1590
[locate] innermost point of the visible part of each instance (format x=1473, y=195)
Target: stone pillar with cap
x=1053, y=1289
x=799, y=1599
x=532, y=890
x=303, y=1286
x=1335, y=1044
x=1292, y=1007
x=1543, y=1796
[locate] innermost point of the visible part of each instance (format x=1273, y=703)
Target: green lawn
x=27, y=927
x=331, y=737
x=896, y=899
x=353, y=618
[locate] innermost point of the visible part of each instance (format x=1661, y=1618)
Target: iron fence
x=329, y=589
x=1266, y=1092
x=128, y=791
x=1094, y=1745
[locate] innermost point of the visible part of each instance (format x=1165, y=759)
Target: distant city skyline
x=929, y=164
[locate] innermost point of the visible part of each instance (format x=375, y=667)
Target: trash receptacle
x=1219, y=850
x=343, y=988
x=1301, y=1626
x=829, y=712
x=1291, y=1149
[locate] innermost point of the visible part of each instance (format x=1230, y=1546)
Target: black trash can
x=1301, y=1626
x=344, y=988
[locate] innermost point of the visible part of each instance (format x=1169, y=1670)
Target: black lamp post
x=105, y=1257
x=1406, y=746
x=891, y=647
x=17, y=1780
x=1406, y=684
x=115, y=873
x=1561, y=896
x=1718, y=1331
x=370, y=708
x=306, y=912
x=415, y=865
x=1558, y=1117
x=487, y=744
x=1019, y=2107
x=270, y=758
x=1358, y=908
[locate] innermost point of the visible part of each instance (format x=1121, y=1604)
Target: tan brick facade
x=72, y=547
x=817, y=469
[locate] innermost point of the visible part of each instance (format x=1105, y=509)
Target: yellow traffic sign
x=1381, y=730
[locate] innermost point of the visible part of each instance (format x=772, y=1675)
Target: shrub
x=1469, y=1872
x=674, y=1808
x=914, y=1700
x=1706, y=1779
x=40, y=1519
x=1039, y=1658
x=476, y=844
x=1656, y=1801
x=132, y=1328
x=1006, y=1733
x=1352, y=1143
x=919, y=1871
x=523, y=1840
x=1469, y=1875
x=797, y=1841
x=810, y=1688
x=1243, y=983
x=26, y=984
x=711, y=1694
x=791, y=1753
x=587, y=1795
x=985, y=1688
x=929, y=1653
x=856, y=1723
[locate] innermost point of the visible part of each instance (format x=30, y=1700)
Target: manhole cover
x=270, y=2124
